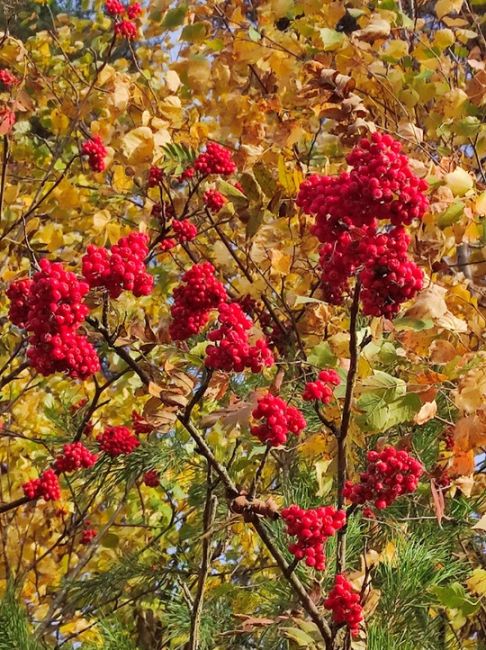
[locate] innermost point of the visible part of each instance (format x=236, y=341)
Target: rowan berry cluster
x=116, y=441
x=187, y=174
x=45, y=487
x=87, y=536
x=151, y=478
x=321, y=388
x=121, y=268
x=347, y=208
x=75, y=456
x=280, y=419
x=199, y=293
x=96, y=152
x=234, y=352
x=51, y=308
x=215, y=160
x=389, y=474
x=18, y=293
x=155, y=176
x=214, y=200
x=124, y=27
x=312, y=528
x=184, y=230
x=344, y=603
x=8, y=79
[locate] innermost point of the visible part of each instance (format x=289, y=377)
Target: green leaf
x=454, y=596
x=254, y=34
x=322, y=356
x=233, y=193
x=384, y=385
x=194, y=33
x=331, y=39
x=378, y=415
x=110, y=540
x=412, y=324
x=174, y=17
x=301, y=638
x=265, y=179
x=451, y=215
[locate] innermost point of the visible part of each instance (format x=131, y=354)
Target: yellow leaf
x=138, y=145
x=284, y=177
x=477, y=582
x=459, y=181
x=444, y=7
x=426, y=413
x=172, y=81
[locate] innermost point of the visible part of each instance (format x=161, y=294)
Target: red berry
x=116, y=441
x=75, y=456
x=96, y=152
x=389, y=474
x=184, y=230
x=114, y=7
x=134, y=11
x=193, y=301
x=126, y=29
x=280, y=419
x=8, y=79
x=121, y=268
x=19, y=296
x=45, y=487
x=344, y=602
x=214, y=200
x=312, y=528
x=87, y=536
x=151, y=478
x=215, y=160
x=155, y=176
x=140, y=424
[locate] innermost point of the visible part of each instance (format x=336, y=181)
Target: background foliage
x=289, y=87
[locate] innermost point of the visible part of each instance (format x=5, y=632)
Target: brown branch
x=5, y=507
x=346, y=418
x=306, y=601
x=14, y=374
x=3, y=180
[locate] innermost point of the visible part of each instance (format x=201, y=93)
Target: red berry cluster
x=116, y=441
x=347, y=207
x=320, y=389
x=187, y=174
x=280, y=419
x=121, y=268
x=155, y=176
x=51, y=307
x=140, y=424
x=87, y=536
x=96, y=152
x=184, y=230
x=167, y=245
x=18, y=293
x=75, y=456
x=8, y=79
x=234, y=352
x=123, y=27
x=389, y=474
x=45, y=487
x=193, y=300
x=215, y=160
x=344, y=602
x=312, y=528
x=214, y=200
x=151, y=478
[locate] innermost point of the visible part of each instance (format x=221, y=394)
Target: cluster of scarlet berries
x=199, y=293
x=124, y=27
x=87, y=535
x=140, y=424
x=151, y=478
x=389, y=474
x=8, y=79
x=51, y=308
x=121, y=268
x=279, y=419
x=116, y=441
x=184, y=231
x=320, y=389
x=215, y=160
x=344, y=603
x=312, y=528
x=233, y=352
x=75, y=456
x=213, y=200
x=96, y=152
x=45, y=487
x=348, y=208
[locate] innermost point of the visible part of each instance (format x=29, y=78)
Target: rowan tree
x=242, y=363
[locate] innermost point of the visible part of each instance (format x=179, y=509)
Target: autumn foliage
x=242, y=360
